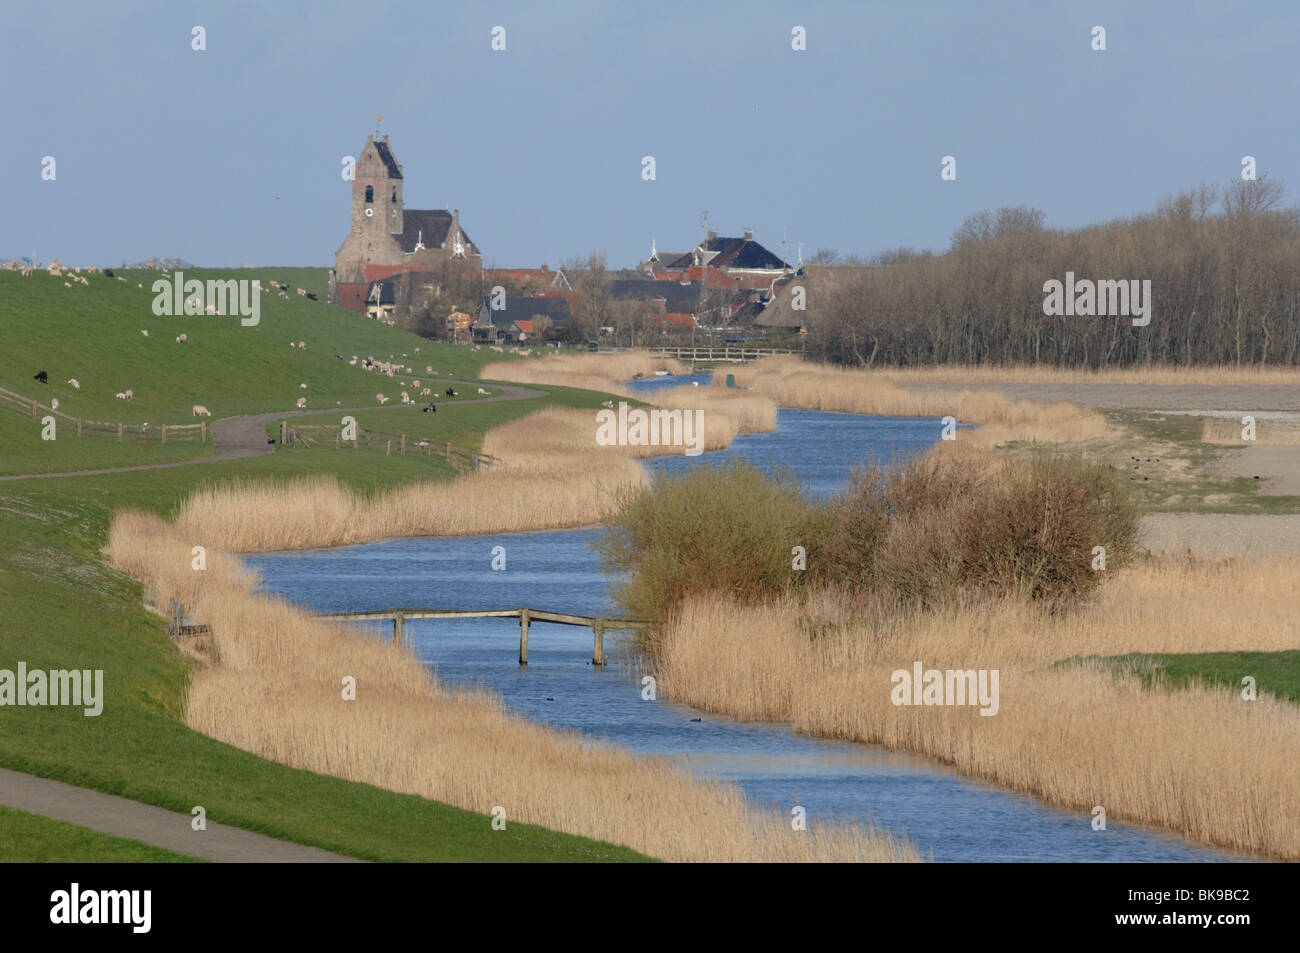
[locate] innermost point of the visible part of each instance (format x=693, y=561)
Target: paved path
x=239, y=437
x=152, y=825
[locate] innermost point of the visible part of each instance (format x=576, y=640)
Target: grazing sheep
x=144, y=332
x=301, y=402
x=302, y=291
x=482, y=391
x=302, y=345
x=130, y=394
x=450, y=392
x=303, y=386
x=381, y=398
x=54, y=403
x=120, y=396
x=430, y=409
x=428, y=368
x=608, y=403
x=406, y=398
x=526, y=352
x=211, y=309
x=182, y=338
x=76, y=384
x=353, y=362
x=201, y=411
x=42, y=377
x=67, y=284
x=108, y=273
x=499, y=350
x=425, y=392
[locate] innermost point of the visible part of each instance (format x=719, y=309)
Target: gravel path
x=245, y=436
x=152, y=825
x=1216, y=535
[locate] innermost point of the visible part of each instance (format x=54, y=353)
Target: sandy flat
x=1214, y=535
x=1277, y=467
x=1109, y=396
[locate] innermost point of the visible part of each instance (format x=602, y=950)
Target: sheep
x=108, y=273
x=406, y=398
x=76, y=384
x=302, y=345
x=428, y=368
x=425, y=392
x=67, y=284
x=144, y=332
x=482, y=391
x=526, y=352
x=210, y=309
x=27, y=272
x=353, y=362
x=311, y=297
x=303, y=386
x=130, y=394
x=120, y=396
x=54, y=403
x=201, y=411
x=381, y=398
x=499, y=350
x=302, y=291
x=42, y=377
x=182, y=338
x=608, y=403
x=430, y=409
x=450, y=392
x=301, y=402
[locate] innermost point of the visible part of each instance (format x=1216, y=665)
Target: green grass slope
x=32, y=839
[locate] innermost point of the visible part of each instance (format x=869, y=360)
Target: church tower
x=377, y=191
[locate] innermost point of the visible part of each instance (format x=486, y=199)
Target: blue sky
x=232, y=155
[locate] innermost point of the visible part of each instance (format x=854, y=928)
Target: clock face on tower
x=370, y=213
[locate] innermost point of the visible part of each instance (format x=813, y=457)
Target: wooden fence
x=144, y=433
x=316, y=436
x=728, y=355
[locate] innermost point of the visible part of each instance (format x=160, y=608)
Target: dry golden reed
x=1268, y=432
x=792, y=382
x=1200, y=760
x=275, y=690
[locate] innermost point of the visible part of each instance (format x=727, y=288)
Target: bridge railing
x=597, y=624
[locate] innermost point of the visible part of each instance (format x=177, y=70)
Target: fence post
x=388, y=452
x=398, y=620
x=203, y=431
x=33, y=410
x=598, y=642
x=164, y=433
x=403, y=444
x=449, y=454
x=523, y=636
x=336, y=438
x=284, y=430
x=119, y=431
x=78, y=426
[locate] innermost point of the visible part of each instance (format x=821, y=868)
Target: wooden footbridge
x=598, y=625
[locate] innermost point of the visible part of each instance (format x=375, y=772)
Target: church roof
x=386, y=155
x=429, y=226
x=733, y=253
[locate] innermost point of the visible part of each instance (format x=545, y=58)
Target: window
x=394, y=196
x=370, y=194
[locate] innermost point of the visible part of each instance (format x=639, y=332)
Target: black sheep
x=430, y=409
x=310, y=296
x=108, y=272
x=42, y=377
x=450, y=392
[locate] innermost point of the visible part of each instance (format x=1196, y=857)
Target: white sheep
x=303, y=386
x=130, y=394
x=201, y=411
x=302, y=345
x=381, y=398
x=54, y=403
x=302, y=402
x=182, y=338
x=76, y=384
x=120, y=395
x=428, y=368
x=353, y=362
x=67, y=284
x=425, y=392
x=482, y=391
x=144, y=332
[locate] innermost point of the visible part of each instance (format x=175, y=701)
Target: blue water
x=951, y=817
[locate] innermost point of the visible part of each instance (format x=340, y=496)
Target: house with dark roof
x=813, y=284
x=387, y=238
x=514, y=321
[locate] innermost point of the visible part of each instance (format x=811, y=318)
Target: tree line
x=1224, y=267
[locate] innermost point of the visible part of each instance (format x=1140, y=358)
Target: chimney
x=713, y=233
x=749, y=234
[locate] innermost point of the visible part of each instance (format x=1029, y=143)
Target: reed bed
x=601, y=372
x=792, y=382
x=1268, y=432
x=1197, y=760
x=275, y=690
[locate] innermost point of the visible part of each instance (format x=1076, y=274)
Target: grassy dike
x=64, y=608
